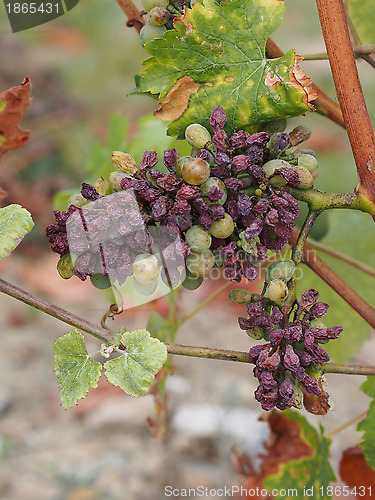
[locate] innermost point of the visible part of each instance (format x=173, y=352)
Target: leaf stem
x=303, y=235
x=358, y=50
x=349, y=93
x=347, y=424
x=204, y=303
x=344, y=258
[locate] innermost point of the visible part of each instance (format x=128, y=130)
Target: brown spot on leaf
x=229, y=79
x=176, y=101
x=271, y=81
x=356, y=473
x=17, y=101
x=181, y=20
x=286, y=444
x=298, y=80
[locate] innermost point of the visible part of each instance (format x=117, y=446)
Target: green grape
x=308, y=161
x=255, y=333
x=145, y=289
x=298, y=152
x=298, y=398
x=316, y=323
x=198, y=239
x=102, y=186
x=159, y=16
x=65, y=266
x=124, y=162
x=100, y=281
x=149, y=32
x=180, y=164
x=270, y=168
x=77, y=200
x=150, y=4
x=222, y=228
x=277, y=291
x=195, y=171
x=305, y=177
x=247, y=181
x=115, y=179
x=214, y=182
x=281, y=269
x=197, y=135
x=240, y=296
x=200, y=264
x=146, y=268
x=192, y=282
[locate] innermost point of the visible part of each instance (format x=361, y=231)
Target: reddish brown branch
x=323, y=104
x=336, y=283
x=349, y=92
x=132, y=13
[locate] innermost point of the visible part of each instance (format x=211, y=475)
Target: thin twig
x=359, y=50
x=349, y=92
x=204, y=303
x=347, y=424
x=182, y=350
x=344, y=258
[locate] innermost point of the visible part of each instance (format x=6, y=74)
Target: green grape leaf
x=350, y=233
x=76, y=372
x=368, y=424
x=362, y=15
x=308, y=472
x=220, y=47
x=15, y=223
x=135, y=370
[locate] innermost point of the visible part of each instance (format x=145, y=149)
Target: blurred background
x=82, y=69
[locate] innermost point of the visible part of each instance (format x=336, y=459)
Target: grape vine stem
x=181, y=350
x=349, y=93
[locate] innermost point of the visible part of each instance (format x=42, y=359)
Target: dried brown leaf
x=176, y=101
x=298, y=80
x=356, y=473
x=13, y=105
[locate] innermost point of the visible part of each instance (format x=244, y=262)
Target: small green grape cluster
x=159, y=16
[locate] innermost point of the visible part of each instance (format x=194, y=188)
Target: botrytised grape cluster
x=285, y=366
x=159, y=16
x=228, y=202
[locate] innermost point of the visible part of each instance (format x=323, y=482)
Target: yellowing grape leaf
x=76, y=372
x=221, y=47
x=15, y=223
x=13, y=105
x=296, y=463
x=135, y=370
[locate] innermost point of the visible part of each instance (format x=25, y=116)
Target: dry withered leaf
x=356, y=473
x=286, y=445
x=13, y=105
x=176, y=101
x=299, y=79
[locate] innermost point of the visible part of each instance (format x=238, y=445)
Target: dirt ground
x=103, y=448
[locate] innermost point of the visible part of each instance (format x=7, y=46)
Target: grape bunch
x=159, y=16
x=227, y=203
x=285, y=366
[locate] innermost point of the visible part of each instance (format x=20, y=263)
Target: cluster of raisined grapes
x=229, y=202
x=159, y=16
x=285, y=366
